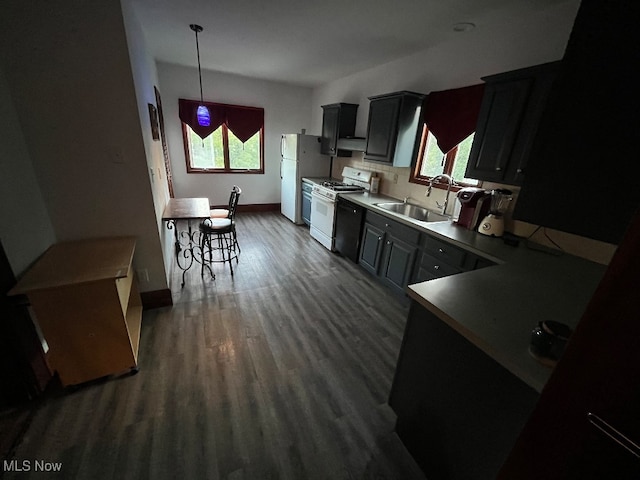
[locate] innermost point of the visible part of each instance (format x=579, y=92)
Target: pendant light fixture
x=202, y=114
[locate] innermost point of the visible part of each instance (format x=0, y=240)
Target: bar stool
x=224, y=213
x=219, y=235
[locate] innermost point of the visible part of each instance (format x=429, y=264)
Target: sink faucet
x=450, y=183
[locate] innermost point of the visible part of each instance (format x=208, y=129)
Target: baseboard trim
x=156, y=299
x=255, y=207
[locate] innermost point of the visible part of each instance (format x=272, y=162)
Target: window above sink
x=433, y=162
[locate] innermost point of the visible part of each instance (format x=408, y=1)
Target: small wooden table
x=186, y=246
x=87, y=304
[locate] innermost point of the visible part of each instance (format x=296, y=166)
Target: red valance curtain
x=244, y=122
x=451, y=115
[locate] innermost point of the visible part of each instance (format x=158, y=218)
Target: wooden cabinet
x=458, y=411
x=397, y=264
x=437, y=258
x=398, y=254
x=371, y=250
x=388, y=250
x=86, y=301
x=588, y=136
x=338, y=121
x=394, y=128
x=509, y=116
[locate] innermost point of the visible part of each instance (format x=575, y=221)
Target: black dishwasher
x=349, y=219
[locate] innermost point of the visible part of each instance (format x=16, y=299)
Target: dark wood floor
x=281, y=372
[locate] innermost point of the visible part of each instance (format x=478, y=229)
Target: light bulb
x=204, y=118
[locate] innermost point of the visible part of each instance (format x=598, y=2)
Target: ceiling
x=311, y=43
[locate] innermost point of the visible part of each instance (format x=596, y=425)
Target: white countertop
x=496, y=307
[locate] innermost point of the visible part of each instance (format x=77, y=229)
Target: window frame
x=447, y=169
x=225, y=147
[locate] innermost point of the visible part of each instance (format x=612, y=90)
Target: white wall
x=71, y=83
x=287, y=109
x=25, y=227
x=145, y=78
x=498, y=44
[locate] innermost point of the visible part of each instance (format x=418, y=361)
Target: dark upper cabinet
x=509, y=116
x=584, y=173
x=394, y=128
x=338, y=121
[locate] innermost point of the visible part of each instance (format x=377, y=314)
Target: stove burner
x=341, y=186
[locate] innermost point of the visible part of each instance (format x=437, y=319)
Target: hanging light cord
x=198, y=28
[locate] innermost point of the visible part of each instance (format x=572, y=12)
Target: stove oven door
x=323, y=212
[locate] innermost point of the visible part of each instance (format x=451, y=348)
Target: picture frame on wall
x=153, y=117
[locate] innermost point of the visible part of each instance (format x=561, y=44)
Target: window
x=432, y=161
x=233, y=141
x=223, y=152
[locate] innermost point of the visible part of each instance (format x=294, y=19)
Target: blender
x=493, y=224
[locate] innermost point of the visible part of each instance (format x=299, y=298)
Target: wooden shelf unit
x=86, y=301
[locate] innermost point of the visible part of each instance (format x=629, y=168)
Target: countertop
x=496, y=307
x=77, y=262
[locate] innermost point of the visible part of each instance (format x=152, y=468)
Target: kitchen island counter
x=497, y=307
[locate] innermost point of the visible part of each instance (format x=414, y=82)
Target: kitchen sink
x=412, y=211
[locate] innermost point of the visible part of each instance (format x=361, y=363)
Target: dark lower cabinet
x=397, y=262
x=459, y=412
x=399, y=255
x=371, y=251
x=306, y=202
x=388, y=250
x=437, y=258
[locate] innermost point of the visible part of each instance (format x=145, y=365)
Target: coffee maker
x=474, y=205
x=493, y=224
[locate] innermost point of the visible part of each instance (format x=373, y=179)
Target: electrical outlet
x=143, y=274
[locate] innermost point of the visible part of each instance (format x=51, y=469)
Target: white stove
x=323, y=202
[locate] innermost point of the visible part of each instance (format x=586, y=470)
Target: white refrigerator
x=300, y=157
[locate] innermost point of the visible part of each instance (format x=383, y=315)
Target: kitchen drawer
x=436, y=266
x=474, y=262
x=398, y=230
x=444, y=252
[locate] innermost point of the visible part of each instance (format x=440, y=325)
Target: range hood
x=352, y=144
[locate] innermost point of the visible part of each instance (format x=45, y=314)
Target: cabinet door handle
x=386, y=225
x=436, y=267
x=379, y=238
x=355, y=211
x=440, y=250
x=388, y=242
x=498, y=169
x=519, y=170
